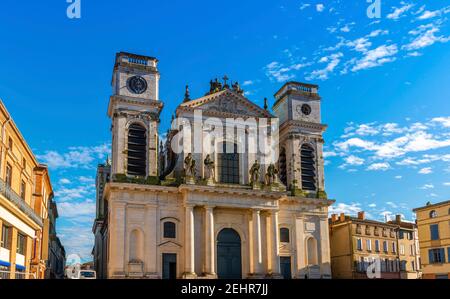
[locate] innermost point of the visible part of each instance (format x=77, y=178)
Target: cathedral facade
x=204, y=203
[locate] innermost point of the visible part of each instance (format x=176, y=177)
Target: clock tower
x=134, y=109
x=301, y=164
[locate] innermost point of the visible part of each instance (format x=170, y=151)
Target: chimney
x=333, y=218
x=398, y=219
x=342, y=217
x=361, y=215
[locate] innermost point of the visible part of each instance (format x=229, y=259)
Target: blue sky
x=385, y=86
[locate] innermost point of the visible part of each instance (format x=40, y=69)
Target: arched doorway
x=229, y=262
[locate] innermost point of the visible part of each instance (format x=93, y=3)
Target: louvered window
x=282, y=167
x=137, y=150
x=308, y=168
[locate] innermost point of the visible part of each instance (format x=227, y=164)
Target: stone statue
x=210, y=166
x=254, y=173
x=189, y=166
x=271, y=175
x=237, y=88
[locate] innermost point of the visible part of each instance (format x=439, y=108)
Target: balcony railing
x=12, y=196
x=17, y=275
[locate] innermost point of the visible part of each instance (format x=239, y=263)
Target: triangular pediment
x=227, y=102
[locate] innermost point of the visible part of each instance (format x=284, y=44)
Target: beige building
x=357, y=243
x=162, y=215
x=25, y=192
x=433, y=221
x=408, y=249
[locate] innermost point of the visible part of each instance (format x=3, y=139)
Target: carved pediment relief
x=227, y=102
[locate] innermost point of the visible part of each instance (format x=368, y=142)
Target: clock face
x=137, y=84
x=304, y=109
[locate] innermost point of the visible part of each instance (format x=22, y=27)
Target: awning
x=5, y=264
x=19, y=267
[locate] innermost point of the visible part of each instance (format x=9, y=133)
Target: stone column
x=189, y=253
x=210, y=244
x=257, y=252
x=325, y=260
x=300, y=247
x=275, y=244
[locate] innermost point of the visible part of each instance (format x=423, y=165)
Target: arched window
x=433, y=214
x=308, y=168
x=311, y=245
x=137, y=150
x=284, y=235
x=136, y=246
x=170, y=230
x=282, y=166
x=228, y=164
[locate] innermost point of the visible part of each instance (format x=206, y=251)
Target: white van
x=87, y=274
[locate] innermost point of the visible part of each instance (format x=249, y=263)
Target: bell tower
x=134, y=108
x=301, y=164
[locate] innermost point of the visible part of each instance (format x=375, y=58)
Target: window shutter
x=430, y=256
x=442, y=253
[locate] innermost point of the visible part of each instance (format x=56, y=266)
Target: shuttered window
x=137, y=150
x=308, y=168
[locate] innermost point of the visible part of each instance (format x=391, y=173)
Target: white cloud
x=383, y=166
x=431, y=14
x=281, y=73
x=65, y=194
x=353, y=160
x=304, y=5
x=447, y=184
x=390, y=144
x=373, y=205
x=426, y=170
x=398, y=177
x=322, y=74
x=64, y=181
x=320, y=7
x=77, y=240
x=348, y=209
x=347, y=27
x=376, y=57
x=425, y=37
x=399, y=11
x=84, y=179
x=427, y=186
x=444, y=121
x=247, y=83
x=73, y=210
x=355, y=142
x=75, y=157
x=366, y=129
